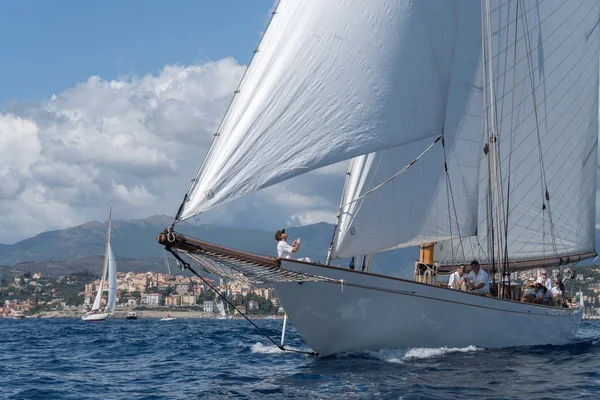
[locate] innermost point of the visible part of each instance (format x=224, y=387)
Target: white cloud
x=136, y=142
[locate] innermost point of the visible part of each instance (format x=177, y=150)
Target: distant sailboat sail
x=109, y=273
x=98, y=298
x=112, y=281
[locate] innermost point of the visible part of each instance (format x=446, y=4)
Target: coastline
x=142, y=314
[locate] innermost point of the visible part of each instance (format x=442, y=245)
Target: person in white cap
x=544, y=280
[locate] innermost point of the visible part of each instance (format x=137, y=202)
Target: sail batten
x=321, y=90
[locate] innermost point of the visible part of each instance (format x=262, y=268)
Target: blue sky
x=48, y=46
x=118, y=101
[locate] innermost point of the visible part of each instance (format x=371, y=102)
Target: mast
x=424, y=270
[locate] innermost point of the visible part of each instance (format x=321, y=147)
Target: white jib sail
x=413, y=208
x=555, y=129
x=330, y=80
x=112, y=281
x=98, y=299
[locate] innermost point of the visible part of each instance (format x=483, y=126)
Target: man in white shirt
x=284, y=250
x=544, y=280
x=458, y=279
x=478, y=279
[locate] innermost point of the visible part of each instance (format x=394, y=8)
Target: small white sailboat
x=222, y=311
x=131, y=315
x=472, y=129
x=18, y=315
x=167, y=318
x=109, y=272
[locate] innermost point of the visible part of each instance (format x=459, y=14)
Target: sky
x=117, y=101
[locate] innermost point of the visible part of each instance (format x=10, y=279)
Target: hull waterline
x=97, y=317
x=372, y=312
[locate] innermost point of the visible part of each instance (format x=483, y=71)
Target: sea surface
x=207, y=358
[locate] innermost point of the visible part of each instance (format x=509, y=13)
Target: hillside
x=79, y=248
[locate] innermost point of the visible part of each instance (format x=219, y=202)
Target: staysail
x=545, y=86
x=413, y=208
x=330, y=80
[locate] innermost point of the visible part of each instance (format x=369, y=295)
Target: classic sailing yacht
x=472, y=132
x=110, y=268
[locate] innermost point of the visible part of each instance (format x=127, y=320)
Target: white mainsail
x=109, y=268
x=413, y=208
x=555, y=131
x=112, y=281
x=330, y=80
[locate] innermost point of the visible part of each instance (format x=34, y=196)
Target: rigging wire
x=391, y=178
x=450, y=197
x=281, y=347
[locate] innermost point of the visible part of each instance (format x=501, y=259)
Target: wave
x=260, y=348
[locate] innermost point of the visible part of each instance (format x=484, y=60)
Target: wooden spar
x=186, y=243
x=427, y=253
x=426, y=257
x=524, y=265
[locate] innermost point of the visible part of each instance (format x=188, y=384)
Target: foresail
x=413, y=208
x=112, y=281
x=552, y=197
x=330, y=80
x=98, y=298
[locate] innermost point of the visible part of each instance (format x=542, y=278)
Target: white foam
x=423, y=352
x=272, y=349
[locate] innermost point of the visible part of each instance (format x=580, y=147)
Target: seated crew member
x=458, y=279
x=478, y=279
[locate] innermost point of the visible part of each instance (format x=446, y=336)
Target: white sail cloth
x=98, y=298
x=112, y=281
x=413, y=208
x=330, y=80
x=555, y=131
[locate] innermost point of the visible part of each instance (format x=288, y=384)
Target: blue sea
x=201, y=358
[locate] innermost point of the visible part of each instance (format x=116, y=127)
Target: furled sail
x=552, y=174
x=413, y=208
x=112, y=281
x=330, y=80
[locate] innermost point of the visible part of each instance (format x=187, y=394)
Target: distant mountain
x=134, y=243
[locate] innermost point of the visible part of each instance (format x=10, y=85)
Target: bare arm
x=296, y=245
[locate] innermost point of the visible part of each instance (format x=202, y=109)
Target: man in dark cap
x=284, y=250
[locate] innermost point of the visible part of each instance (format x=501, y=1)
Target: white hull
x=375, y=312
x=94, y=317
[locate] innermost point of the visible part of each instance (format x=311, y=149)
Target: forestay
x=330, y=80
x=413, y=208
x=555, y=130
